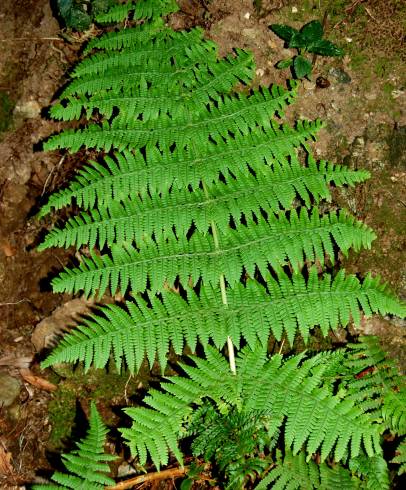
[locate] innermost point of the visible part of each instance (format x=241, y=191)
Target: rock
x=9, y=390
x=28, y=109
x=62, y=318
x=340, y=75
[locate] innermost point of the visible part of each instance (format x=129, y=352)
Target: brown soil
x=366, y=127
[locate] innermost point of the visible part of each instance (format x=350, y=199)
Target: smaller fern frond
x=141, y=9
x=87, y=465
x=312, y=417
x=373, y=470
x=377, y=383
x=400, y=457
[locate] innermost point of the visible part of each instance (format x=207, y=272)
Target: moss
x=106, y=386
x=6, y=111
x=61, y=413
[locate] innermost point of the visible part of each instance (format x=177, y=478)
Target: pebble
x=340, y=75
x=9, y=390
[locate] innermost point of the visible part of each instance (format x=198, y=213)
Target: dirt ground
x=365, y=113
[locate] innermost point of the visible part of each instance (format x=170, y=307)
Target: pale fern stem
x=230, y=345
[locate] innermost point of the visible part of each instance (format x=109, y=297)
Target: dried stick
x=159, y=475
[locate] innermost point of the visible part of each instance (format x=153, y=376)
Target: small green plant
x=308, y=40
x=87, y=465
x=78, y=15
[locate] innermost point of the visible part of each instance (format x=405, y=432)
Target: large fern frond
x=87, y=465
x=291, y=391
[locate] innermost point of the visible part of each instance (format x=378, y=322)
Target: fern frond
x=230, y=115
x=289, y=390
x=148, y=330
x=373, y=470
x=377, y=382
x=211, y=79
x=274, y=242
x=141, y=9
x=400, y=457
x=87, y=465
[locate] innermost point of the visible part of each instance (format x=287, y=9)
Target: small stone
x=340, y=75
x=348, y=39
x=308, y=85
x=260, y=72
x=247, y=15
x=294, y=10
x=9, y=390
x=28, y=109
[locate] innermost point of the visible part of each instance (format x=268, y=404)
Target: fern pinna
x=202, y=211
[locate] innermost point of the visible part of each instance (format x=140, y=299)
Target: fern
x=203, y=188
x=87, y=465
x=272, y=242
x=294, y=472
x=378, y=383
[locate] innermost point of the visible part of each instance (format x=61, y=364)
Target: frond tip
x=87, y=465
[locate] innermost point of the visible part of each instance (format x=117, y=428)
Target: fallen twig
x=149, y=477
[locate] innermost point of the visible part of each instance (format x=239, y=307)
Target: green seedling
x=308, y=40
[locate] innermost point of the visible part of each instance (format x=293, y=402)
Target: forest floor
x=364, y=107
